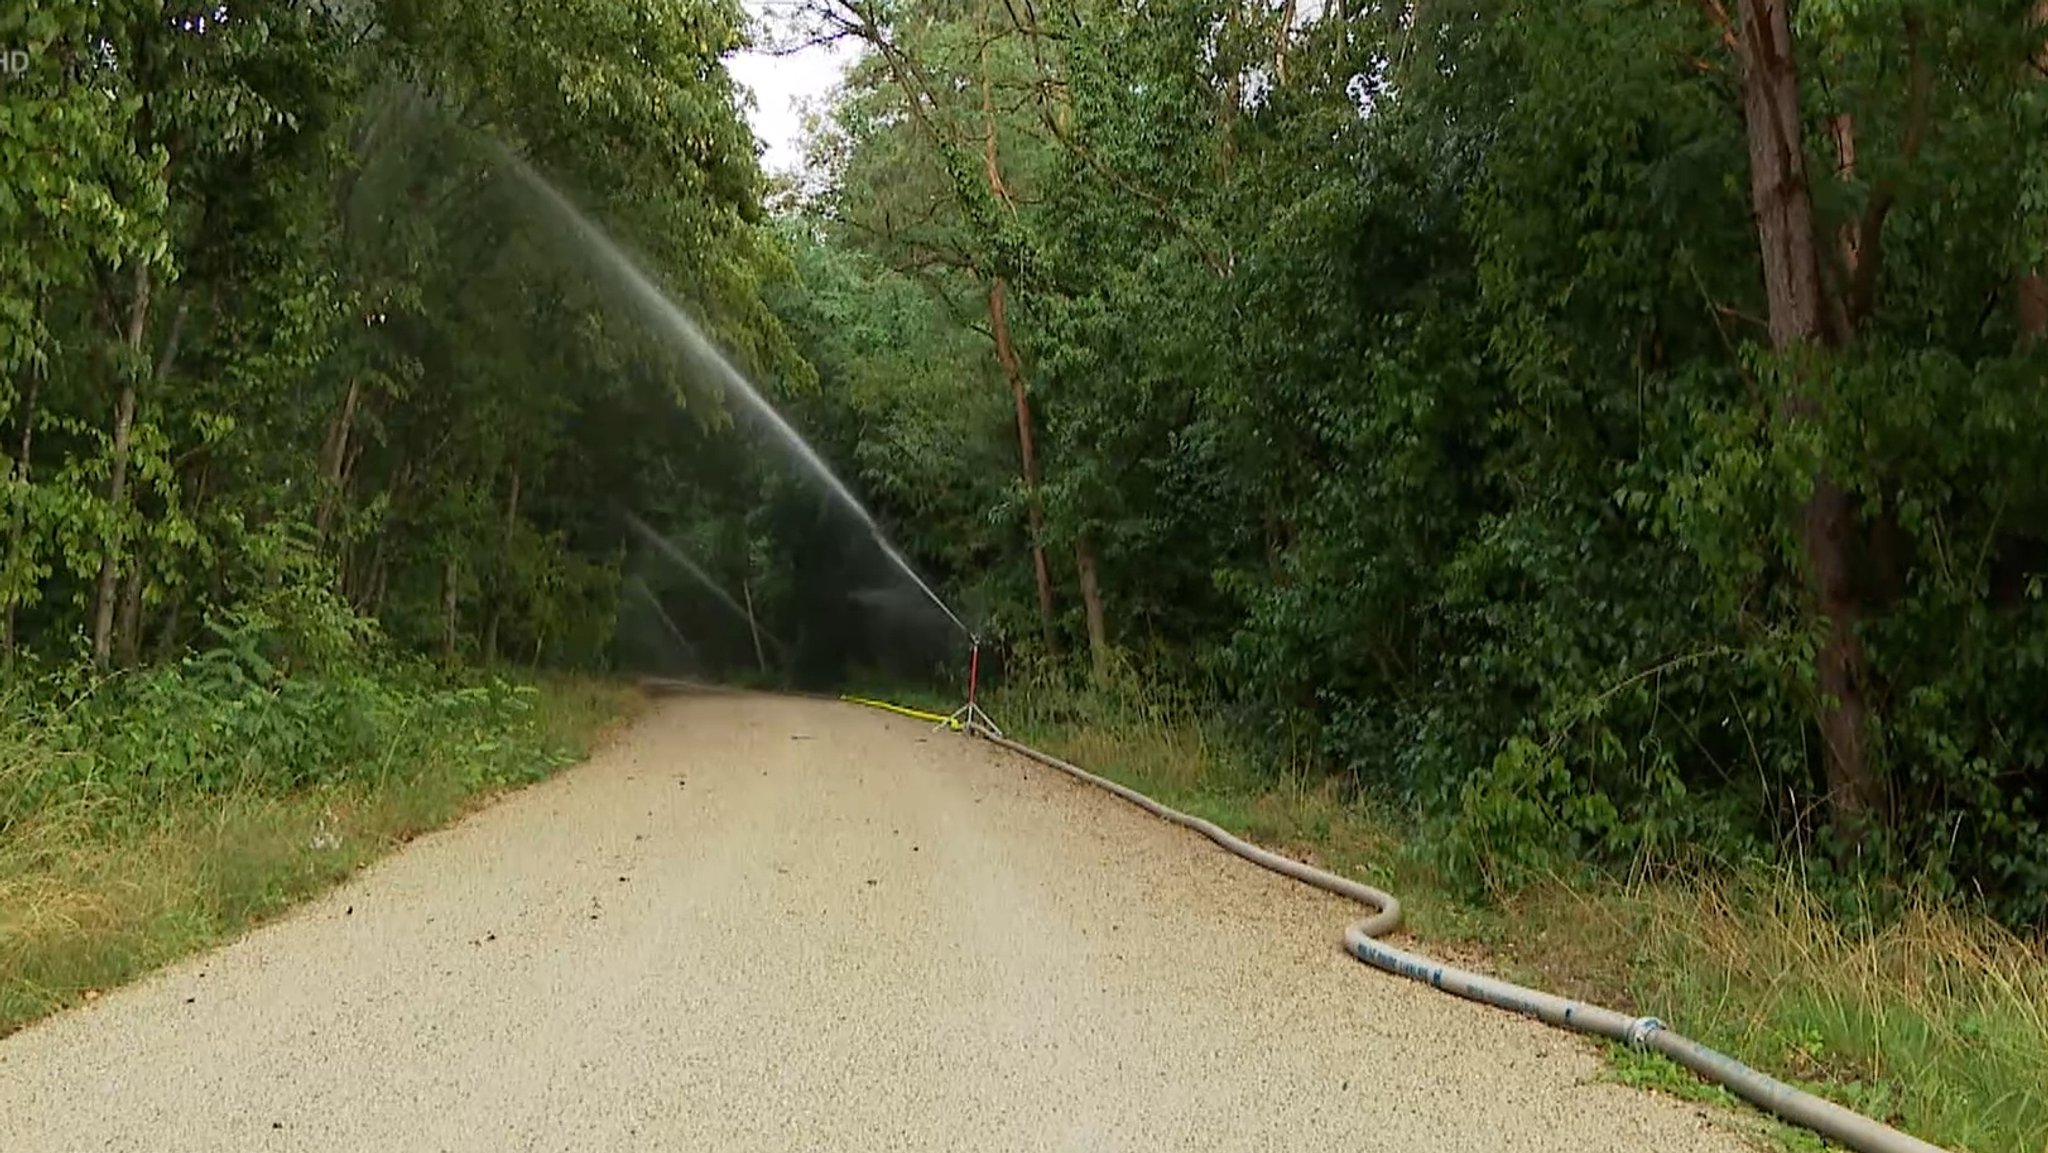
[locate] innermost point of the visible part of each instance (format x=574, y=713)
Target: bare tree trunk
x=369, y=601
x=167, y=633
x=128, y=632
x=1013, y=371
x=1280, y=39
x=2033, y=287
x=333, y=455
x=1091, y=603
x=1034, y=504
x=1843, y=127
x=1782, y=200
x=380, y=572
x=504, y=591
x=2033, y=306
x=747, y=593
x=449, y=616
x=167, y=636
x=18, y=528
x=117, y=481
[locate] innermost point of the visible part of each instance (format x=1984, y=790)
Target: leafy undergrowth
x=1936, y=1022
x=169, y=810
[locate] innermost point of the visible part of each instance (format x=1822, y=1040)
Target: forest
x=1609, y=431
x=1612, y=429
x=1595, y=440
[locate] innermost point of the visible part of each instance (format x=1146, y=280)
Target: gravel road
x=757, y=923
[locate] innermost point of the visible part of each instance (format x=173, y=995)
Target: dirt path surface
x=766, y=924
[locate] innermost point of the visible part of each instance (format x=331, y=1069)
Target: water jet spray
x=678, y=323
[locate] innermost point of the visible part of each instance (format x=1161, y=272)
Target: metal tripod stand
x=970, y=717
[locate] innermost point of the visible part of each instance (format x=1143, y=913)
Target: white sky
x=782, y=86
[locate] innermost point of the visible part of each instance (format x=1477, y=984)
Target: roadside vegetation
x=1934, y=1020
x=157, y=813
x=1579, y=463
x=1580, y=460
x=314, y=440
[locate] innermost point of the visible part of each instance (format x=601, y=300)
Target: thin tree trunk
x=747, y=593
x=1843, y=127
x=504, y=590
x=449, y=615
x=1280, y=39
x=1034, y=503
x=167, y=636
x=1091, y=603
x=1782, y=200
x=18, y=527
x=370, y=601
x=117, y=482
x=1013, y=371
x=2033, y=309
x=2033, y=287
x=128, y=632
x=380, y=572
x=333, y=455
x=117, y=499
x=167, y=633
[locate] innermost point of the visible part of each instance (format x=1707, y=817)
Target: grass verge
x=101, y=884
x=1936, y=1023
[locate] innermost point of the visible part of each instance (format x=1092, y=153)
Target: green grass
x=88, y=902
x=1936, y=1023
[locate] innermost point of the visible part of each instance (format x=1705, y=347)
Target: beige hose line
x=1849, y=1128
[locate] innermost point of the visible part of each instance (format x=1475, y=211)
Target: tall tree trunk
x=333, y=455
x=167, y=632
x=380, y=572
x=2033, y=287
x=368, y=601
x=2033, y=308
x=1091, y=603
x=17, y=529
x=167, y=637
x=128, y=629
x=1783, y=204
x=504, y=590
x=1280, y=39
x=117, y=480
x=449, y=616
x=1013, y=371
x=1034, y=503
x=747, y=592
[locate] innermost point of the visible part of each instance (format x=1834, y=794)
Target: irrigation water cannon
x=969, y=718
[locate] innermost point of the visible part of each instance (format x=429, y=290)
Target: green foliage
x=278, y=324
x=1934, y=1022
x=230, y=720
x=165, y=811
x=1407, y=369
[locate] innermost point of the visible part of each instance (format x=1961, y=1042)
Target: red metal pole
x=973, y=671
